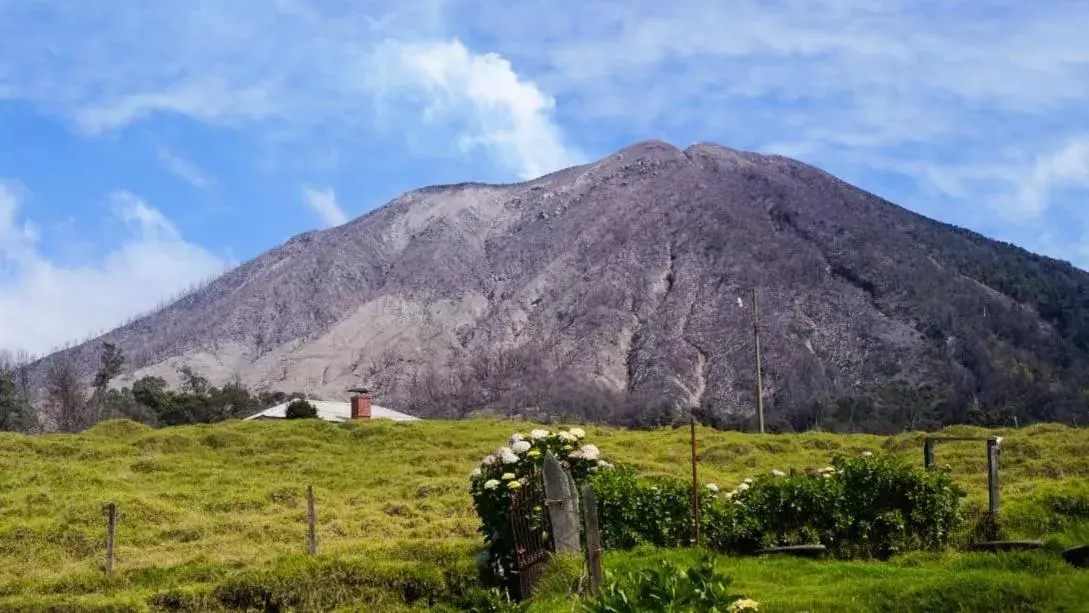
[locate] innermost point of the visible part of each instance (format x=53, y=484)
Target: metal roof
x=333, y=411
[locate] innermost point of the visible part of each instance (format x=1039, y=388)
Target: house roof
x=333, y=411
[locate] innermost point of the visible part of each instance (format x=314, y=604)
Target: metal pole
x=759, y=378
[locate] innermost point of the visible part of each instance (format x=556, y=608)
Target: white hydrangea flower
x=521, y=446
x=777, y=473
x=729, y=495
x=538, y=434
x=475, y=473
x=566, y=436
x=867, y=454
x=712, y=487
x=749, y=480
x=578, y=432
x=489, y=460
x=743, y=487
x=509, y=457
x=491, y=484
x=590, y=452
x=829, y=469
x=604, y=464
x=507, y=476
x=514, y=438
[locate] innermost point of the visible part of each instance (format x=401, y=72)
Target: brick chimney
x=361, y=403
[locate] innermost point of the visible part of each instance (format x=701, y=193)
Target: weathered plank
x=593, y=538
x=561, y=499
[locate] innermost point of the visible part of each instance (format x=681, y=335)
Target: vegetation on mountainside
x=68, y=408
x=216, y=513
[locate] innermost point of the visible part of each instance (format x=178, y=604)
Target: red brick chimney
x=361, y=403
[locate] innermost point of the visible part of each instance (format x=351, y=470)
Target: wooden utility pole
x=695, y=491
x=759, y=378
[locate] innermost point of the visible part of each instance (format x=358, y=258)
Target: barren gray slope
x=634, y=271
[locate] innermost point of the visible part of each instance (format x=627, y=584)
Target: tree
x=107, y=405
x=16, y=414
x=301, y=409
x=66, y=402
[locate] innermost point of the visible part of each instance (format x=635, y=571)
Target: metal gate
x=532, y=530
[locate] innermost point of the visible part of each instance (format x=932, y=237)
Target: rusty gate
x=532, y=532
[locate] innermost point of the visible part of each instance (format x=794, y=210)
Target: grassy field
x=222, y=507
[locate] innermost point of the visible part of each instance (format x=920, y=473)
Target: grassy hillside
x=203, y=505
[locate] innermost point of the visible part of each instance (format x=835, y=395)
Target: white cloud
x=970, y=97
x=286, y=68
x=506, y=114
x=184, y=169
x=324, y=203
x=44, y=304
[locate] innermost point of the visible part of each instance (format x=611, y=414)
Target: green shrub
x=493, y=483
x=859, y=507
x=301, y=409
x=635, y=510
x=665, y=586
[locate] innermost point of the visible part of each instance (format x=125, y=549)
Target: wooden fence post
x=593, y=538
x=311, y=519
x=695, y=491
x=561, y=499
x=992, y=476
x=929, y=457
x=111, y=535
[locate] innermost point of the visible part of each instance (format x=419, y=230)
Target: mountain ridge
x=625, y=276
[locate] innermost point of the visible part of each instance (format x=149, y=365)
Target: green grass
x=203, y=506
x=915, y=583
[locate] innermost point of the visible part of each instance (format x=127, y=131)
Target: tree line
x=68, y=405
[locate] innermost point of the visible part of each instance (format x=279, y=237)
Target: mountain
x=621, y=290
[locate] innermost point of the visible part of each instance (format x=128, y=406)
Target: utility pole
x=756, y=344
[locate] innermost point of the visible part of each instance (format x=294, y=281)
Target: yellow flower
x=533, y=453
x=514, y=485
x=507, y=476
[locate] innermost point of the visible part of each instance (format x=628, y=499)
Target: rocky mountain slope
x=625, y=284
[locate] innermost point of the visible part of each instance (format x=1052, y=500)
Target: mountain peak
x=627, y=279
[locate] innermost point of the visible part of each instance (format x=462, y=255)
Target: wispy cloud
x=184, y=169
x=55, y=303
x=973, y=109
x=324, y=203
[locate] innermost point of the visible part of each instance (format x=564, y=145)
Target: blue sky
x=146, y=146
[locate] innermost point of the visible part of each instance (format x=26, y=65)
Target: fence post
x=111, y=535
x=561, y=499
x=929, y=457
x=992, y=475
x=311, y=534
x=593, y=538
x=695, y=491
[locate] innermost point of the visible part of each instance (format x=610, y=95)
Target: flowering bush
x=866, y=506
x=507, y=470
